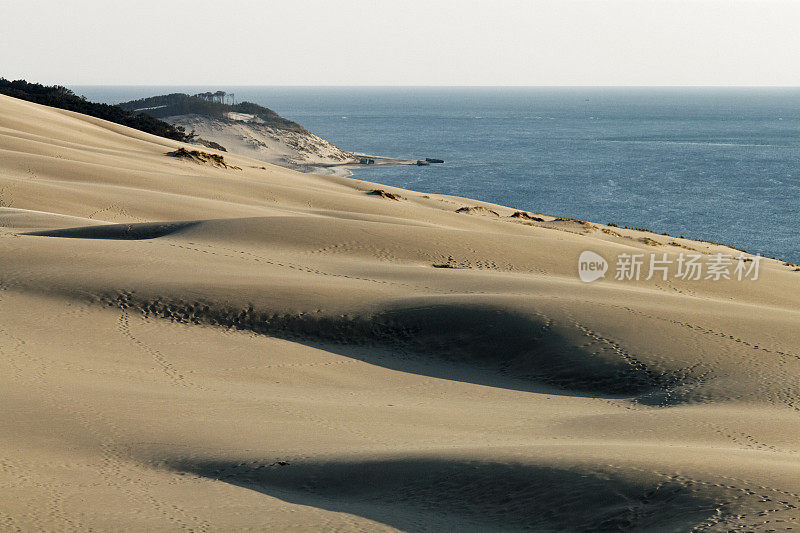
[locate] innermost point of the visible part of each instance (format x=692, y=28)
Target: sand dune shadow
x=427, y=494
x=498, y=342
x=142, y=231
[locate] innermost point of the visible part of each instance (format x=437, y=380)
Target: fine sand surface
x=187, y=346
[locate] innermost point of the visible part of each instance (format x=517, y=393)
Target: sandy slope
x=269, y=350
x=247, y=135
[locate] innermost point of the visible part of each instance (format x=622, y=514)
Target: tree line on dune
x=208, y=104
x=63, y=98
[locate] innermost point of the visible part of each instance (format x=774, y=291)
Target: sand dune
x=247, y=135
x=190, y=346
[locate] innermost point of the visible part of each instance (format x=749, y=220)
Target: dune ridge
x=193, y=347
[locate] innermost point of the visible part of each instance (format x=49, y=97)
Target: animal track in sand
x=667, y=381
x=787, y=395
x=733, y=492
x=125, y=299
x=249, y=256
x=748, y=441
x=508, y=488
x=317, y=364
x=116, y=208
x=702, y=329
x=742, y=439
x=33, y=371
x=438, y=260
x=778, y=502
x=38, y=373
x=16, y=354
x=383, y=254
x=451, y=262
x=176, y=376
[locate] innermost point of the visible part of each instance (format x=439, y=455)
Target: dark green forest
x=205, y=104
x=63, y=98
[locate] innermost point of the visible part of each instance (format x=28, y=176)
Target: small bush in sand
x=526, y=216
x=569, y=219
x=477, y=210
x=201, y=157
x=386, y=194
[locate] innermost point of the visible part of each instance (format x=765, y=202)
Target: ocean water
x=707, y=163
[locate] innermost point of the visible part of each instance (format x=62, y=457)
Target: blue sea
x=706, y=163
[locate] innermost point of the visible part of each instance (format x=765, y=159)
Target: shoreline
x=345, y=169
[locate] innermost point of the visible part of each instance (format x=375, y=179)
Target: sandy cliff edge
x=248, y=136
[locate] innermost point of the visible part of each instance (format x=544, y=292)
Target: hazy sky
x=403, y=42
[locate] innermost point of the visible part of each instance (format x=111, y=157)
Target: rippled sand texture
x=189, y=346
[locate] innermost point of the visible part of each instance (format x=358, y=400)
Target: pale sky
x=403, y=42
